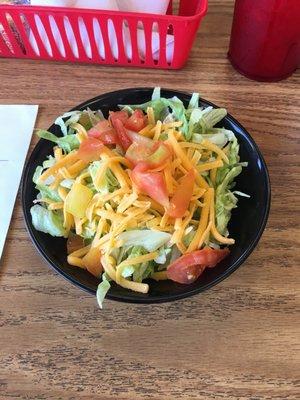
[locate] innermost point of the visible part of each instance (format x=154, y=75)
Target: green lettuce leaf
x=160, y=104
x=102, y=290
x=143, y=271
x=218, y=136
x=46, y=221
x=148, y=239
x=38, y=172
x=69, y=118
x=48, y=193
x=88, y=119
x=234, y=159
x=194, y=102
x=108, y=183
x=137, y=271
x=188, y=238
x=66, y=143
x=163, y=254
x=210, y=118
x=226, y=200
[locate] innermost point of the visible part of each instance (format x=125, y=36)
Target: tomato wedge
x=189, y=267
x=151, y=183
x=123, y=137
x=136, y=122
x=120, y=115
x=92, y=262
x=182, y=196
x=90, y=150
x=104, y=132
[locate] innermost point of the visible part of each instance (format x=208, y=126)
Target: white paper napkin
x=17, y=123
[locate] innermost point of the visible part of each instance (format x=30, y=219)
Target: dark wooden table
x=239, y=340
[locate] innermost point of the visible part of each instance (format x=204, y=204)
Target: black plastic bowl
x=246, y=226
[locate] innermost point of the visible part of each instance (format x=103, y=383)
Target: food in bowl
x=146, y=193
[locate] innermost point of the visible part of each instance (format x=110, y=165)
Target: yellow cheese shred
x=147, y=131
x=81, y=252
x=76, y=262
x=81, y=132
x=151, y=117
x=56, y=206
x=209, y=166
x=69, y=159
x=58, y=154
x=213, y=147
x=110, y=270
x=160, y=276
x=157, y=131
x=213, y=173
x=185, y=161
x=203, y=221
x=133, y=261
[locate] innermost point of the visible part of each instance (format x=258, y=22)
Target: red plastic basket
x=101, y=37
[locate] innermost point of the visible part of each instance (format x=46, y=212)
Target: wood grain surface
x=239, y=340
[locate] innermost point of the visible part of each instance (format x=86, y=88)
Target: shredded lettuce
x=188, y=238
x=108, y=183
x=66, y=143
x=194, y=102
x=138, y=272
x=71, y=118
x=156, y=95
x=89, y=118
x=163, y=254
x=194, y=119
x=38, y=172
x=102, y=289
x=48, y=193
x=143, y=271
x=211, y=118
x=150, y=240
x=226, y=200
x=47, y=221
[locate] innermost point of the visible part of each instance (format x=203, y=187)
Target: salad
x=144, y=194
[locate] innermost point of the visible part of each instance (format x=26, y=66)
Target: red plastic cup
x=265, y=38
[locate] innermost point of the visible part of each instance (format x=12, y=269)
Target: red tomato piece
x=189, y=267
x=120, y=115
x=122, y=134
x=104, y=132
x=182, y=196
x=90, y=150
x=136, y=122
x=151, y=183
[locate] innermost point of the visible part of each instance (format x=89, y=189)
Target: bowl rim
x=163, y=298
